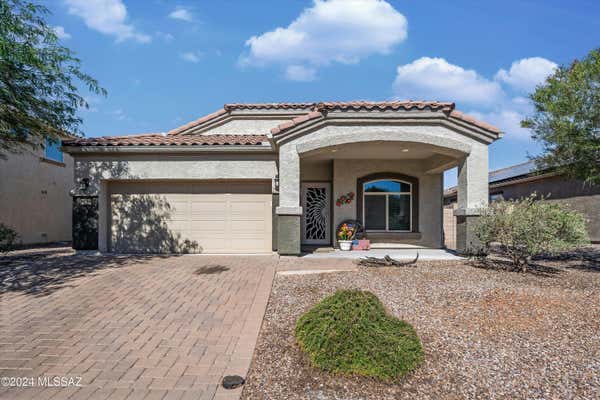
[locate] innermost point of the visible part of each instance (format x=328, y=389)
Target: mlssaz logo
x=59, y=381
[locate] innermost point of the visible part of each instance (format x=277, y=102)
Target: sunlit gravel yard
x=488, y=334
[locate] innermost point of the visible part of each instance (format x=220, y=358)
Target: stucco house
x=253, y=178
x=34, y=194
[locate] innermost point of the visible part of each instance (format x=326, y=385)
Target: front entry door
x=316, y=213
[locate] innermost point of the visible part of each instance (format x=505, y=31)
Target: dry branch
x=386, y=261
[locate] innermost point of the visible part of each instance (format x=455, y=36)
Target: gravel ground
x=487, y=333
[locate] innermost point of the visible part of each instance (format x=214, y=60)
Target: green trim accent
x=288, y=235
x=466, y=240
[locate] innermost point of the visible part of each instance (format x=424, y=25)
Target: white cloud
x=342, y=31
x=192, y=56
x=119, y=114
x=165, y=36
x=525, y=74
x=497, y=101
x=300, y=73
x=436, y=79
x=60, y=33
x=182, y=14
x=508, y=120
x=108, y=17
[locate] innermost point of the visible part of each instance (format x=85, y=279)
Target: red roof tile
x=386, y=105
x=269, y=106
x=472, y=120
x=242, y=106
x=313, y=111
x=297, y=121
x=157, y=139
x=199, y=121
x=446, y=107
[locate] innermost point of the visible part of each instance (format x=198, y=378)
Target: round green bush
x=350, y=332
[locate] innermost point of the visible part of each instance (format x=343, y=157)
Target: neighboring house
x=523, y=179
x=34, y=194
x=252, y=178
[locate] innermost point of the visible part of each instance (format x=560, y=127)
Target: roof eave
x=291, y=130
x=263, y=148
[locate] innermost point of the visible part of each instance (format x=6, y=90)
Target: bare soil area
x=487, y=332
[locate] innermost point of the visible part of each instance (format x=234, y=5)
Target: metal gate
x=85, y=223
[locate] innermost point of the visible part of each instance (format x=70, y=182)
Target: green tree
x=39, y=78
x=566, y=119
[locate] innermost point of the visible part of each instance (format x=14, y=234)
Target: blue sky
x=165, y=63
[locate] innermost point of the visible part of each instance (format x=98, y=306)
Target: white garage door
x=206, y=217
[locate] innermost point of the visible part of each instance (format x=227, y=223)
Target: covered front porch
x=386, y=174
x=394, y=189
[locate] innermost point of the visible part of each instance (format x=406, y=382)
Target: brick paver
x=131, y=328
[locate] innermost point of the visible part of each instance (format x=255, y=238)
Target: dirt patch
x=486, y=333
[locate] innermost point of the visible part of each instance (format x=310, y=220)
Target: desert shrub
x=529, y=227
x=350, y=332
x=8, y=238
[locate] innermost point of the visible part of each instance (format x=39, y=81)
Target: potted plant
x=345, y=237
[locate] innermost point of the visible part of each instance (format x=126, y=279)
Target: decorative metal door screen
x=316, y=208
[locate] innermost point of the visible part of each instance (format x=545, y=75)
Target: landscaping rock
x=486, y=333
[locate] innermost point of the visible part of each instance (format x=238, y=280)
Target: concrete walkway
x=399, y=254
x=128, y=327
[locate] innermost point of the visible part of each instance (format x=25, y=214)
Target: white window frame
x=387, y=201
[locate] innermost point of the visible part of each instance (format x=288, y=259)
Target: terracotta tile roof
x=472, y=120
x=243, y=106
x=157, y=139
x=199, y=121
x=269, y=106
x=386, y=105
x=313, y=111
x=344, y=105
x=297, y=121
x=447, y=108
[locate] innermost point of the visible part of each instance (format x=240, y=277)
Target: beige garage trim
x=191, y=217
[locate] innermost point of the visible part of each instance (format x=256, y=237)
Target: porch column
x=472, y=197
x=289, y=210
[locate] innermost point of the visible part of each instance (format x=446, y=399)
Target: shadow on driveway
x=40, y=273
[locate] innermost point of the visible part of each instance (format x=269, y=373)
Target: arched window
x=387, y=205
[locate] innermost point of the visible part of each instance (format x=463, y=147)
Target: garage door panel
x=207, y=210
x=247, y=245
x=180, y=227
x=251, y=227
x=210, y=226
x=203, y=217
x=247, y=211
x=209, y=244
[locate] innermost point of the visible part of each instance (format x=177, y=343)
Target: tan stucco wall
x=474, y=165
x=101, y=169
x=316, y=170
x=34, y=197
x=245, y=126
x=347, y=172
x=575, y=194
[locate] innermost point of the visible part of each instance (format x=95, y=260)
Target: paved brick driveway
x=130, y=327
